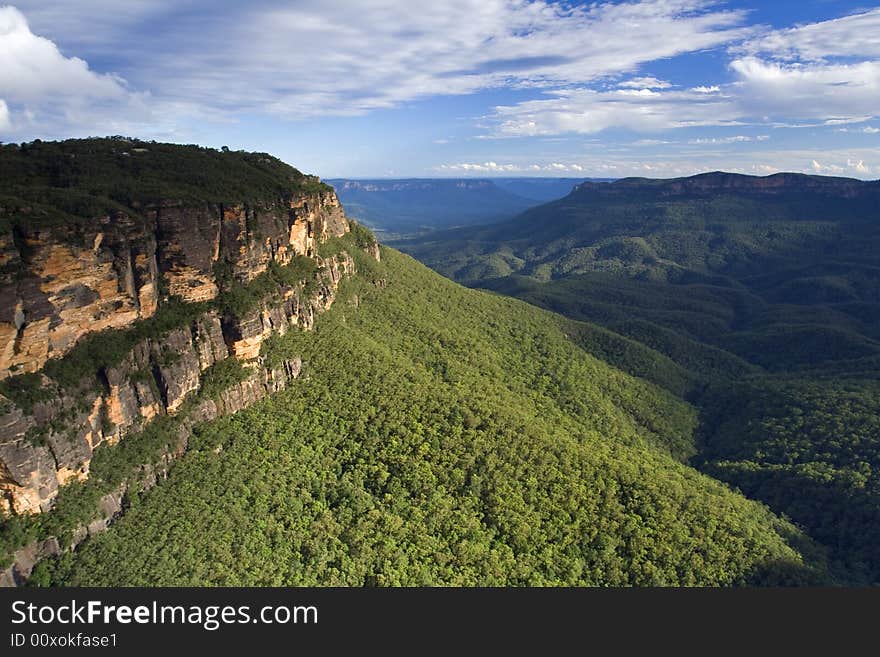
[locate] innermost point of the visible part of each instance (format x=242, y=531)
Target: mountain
x=397, y=208
x=133, y=291
x=765, y=291
x=439, y=435
x=322, y=411
x=543, y=189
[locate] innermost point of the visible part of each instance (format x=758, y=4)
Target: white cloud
x=858, y=166
x=484, y=167
x=734, y=139
x=858, y=163
x=834, y=93
x=722, y=140
x=41, y=86
x=32, y=67
x=770, y=88
x=850, y=36
x=493, y=167
x=301, y=60
x=587, y=111
x=5, y=122
x=644, y=83
x=868, y=130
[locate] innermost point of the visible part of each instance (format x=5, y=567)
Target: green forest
x=760, y=309
x=77, y=180
x=657, y=385
x=444, y=436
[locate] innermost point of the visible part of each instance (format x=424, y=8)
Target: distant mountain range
x=414, y=206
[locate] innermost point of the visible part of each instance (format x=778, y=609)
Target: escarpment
x=51, y=440
x=59, y=283
x=122, y=306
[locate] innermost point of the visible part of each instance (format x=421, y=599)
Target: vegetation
x=25, y=390
x=443, y=436
x=80, y=179
x=440, y=435
x=222, y=376
x=812, y=451
x=761, y=309
x=239, y=300
x=130, y=463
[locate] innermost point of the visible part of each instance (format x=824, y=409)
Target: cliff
x=51, y=443
x=118, y=307
x=61, y=282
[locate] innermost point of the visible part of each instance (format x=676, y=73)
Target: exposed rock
x=176, y=366
x=54, y=444
x=25, y=560
x=110, y=275
x=58, y=284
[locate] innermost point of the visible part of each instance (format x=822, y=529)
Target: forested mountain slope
x=764, y=292
x=440, y=435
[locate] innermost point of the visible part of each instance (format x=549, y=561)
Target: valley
x=339, y=414
x=763, y=290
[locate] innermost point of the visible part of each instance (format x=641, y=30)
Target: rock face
x=53, y=443
x=60, y=283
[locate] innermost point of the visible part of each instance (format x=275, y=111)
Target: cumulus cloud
x=32, y=67
x=644, y=83
x=831, y=92
x=5, y=123
x=807, y=83
x=40, y=85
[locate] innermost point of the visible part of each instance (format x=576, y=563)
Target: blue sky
x=376, y=88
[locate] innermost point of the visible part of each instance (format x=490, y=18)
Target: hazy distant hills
x=543, y=189
x=737, y=262
x=708, y=225
x=396, y=208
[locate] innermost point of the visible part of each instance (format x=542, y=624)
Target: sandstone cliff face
x=58, y=284
x=53, y=444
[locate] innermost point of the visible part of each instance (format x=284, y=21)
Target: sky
x=459, y=88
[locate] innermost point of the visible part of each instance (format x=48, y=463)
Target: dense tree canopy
x=443, y=436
